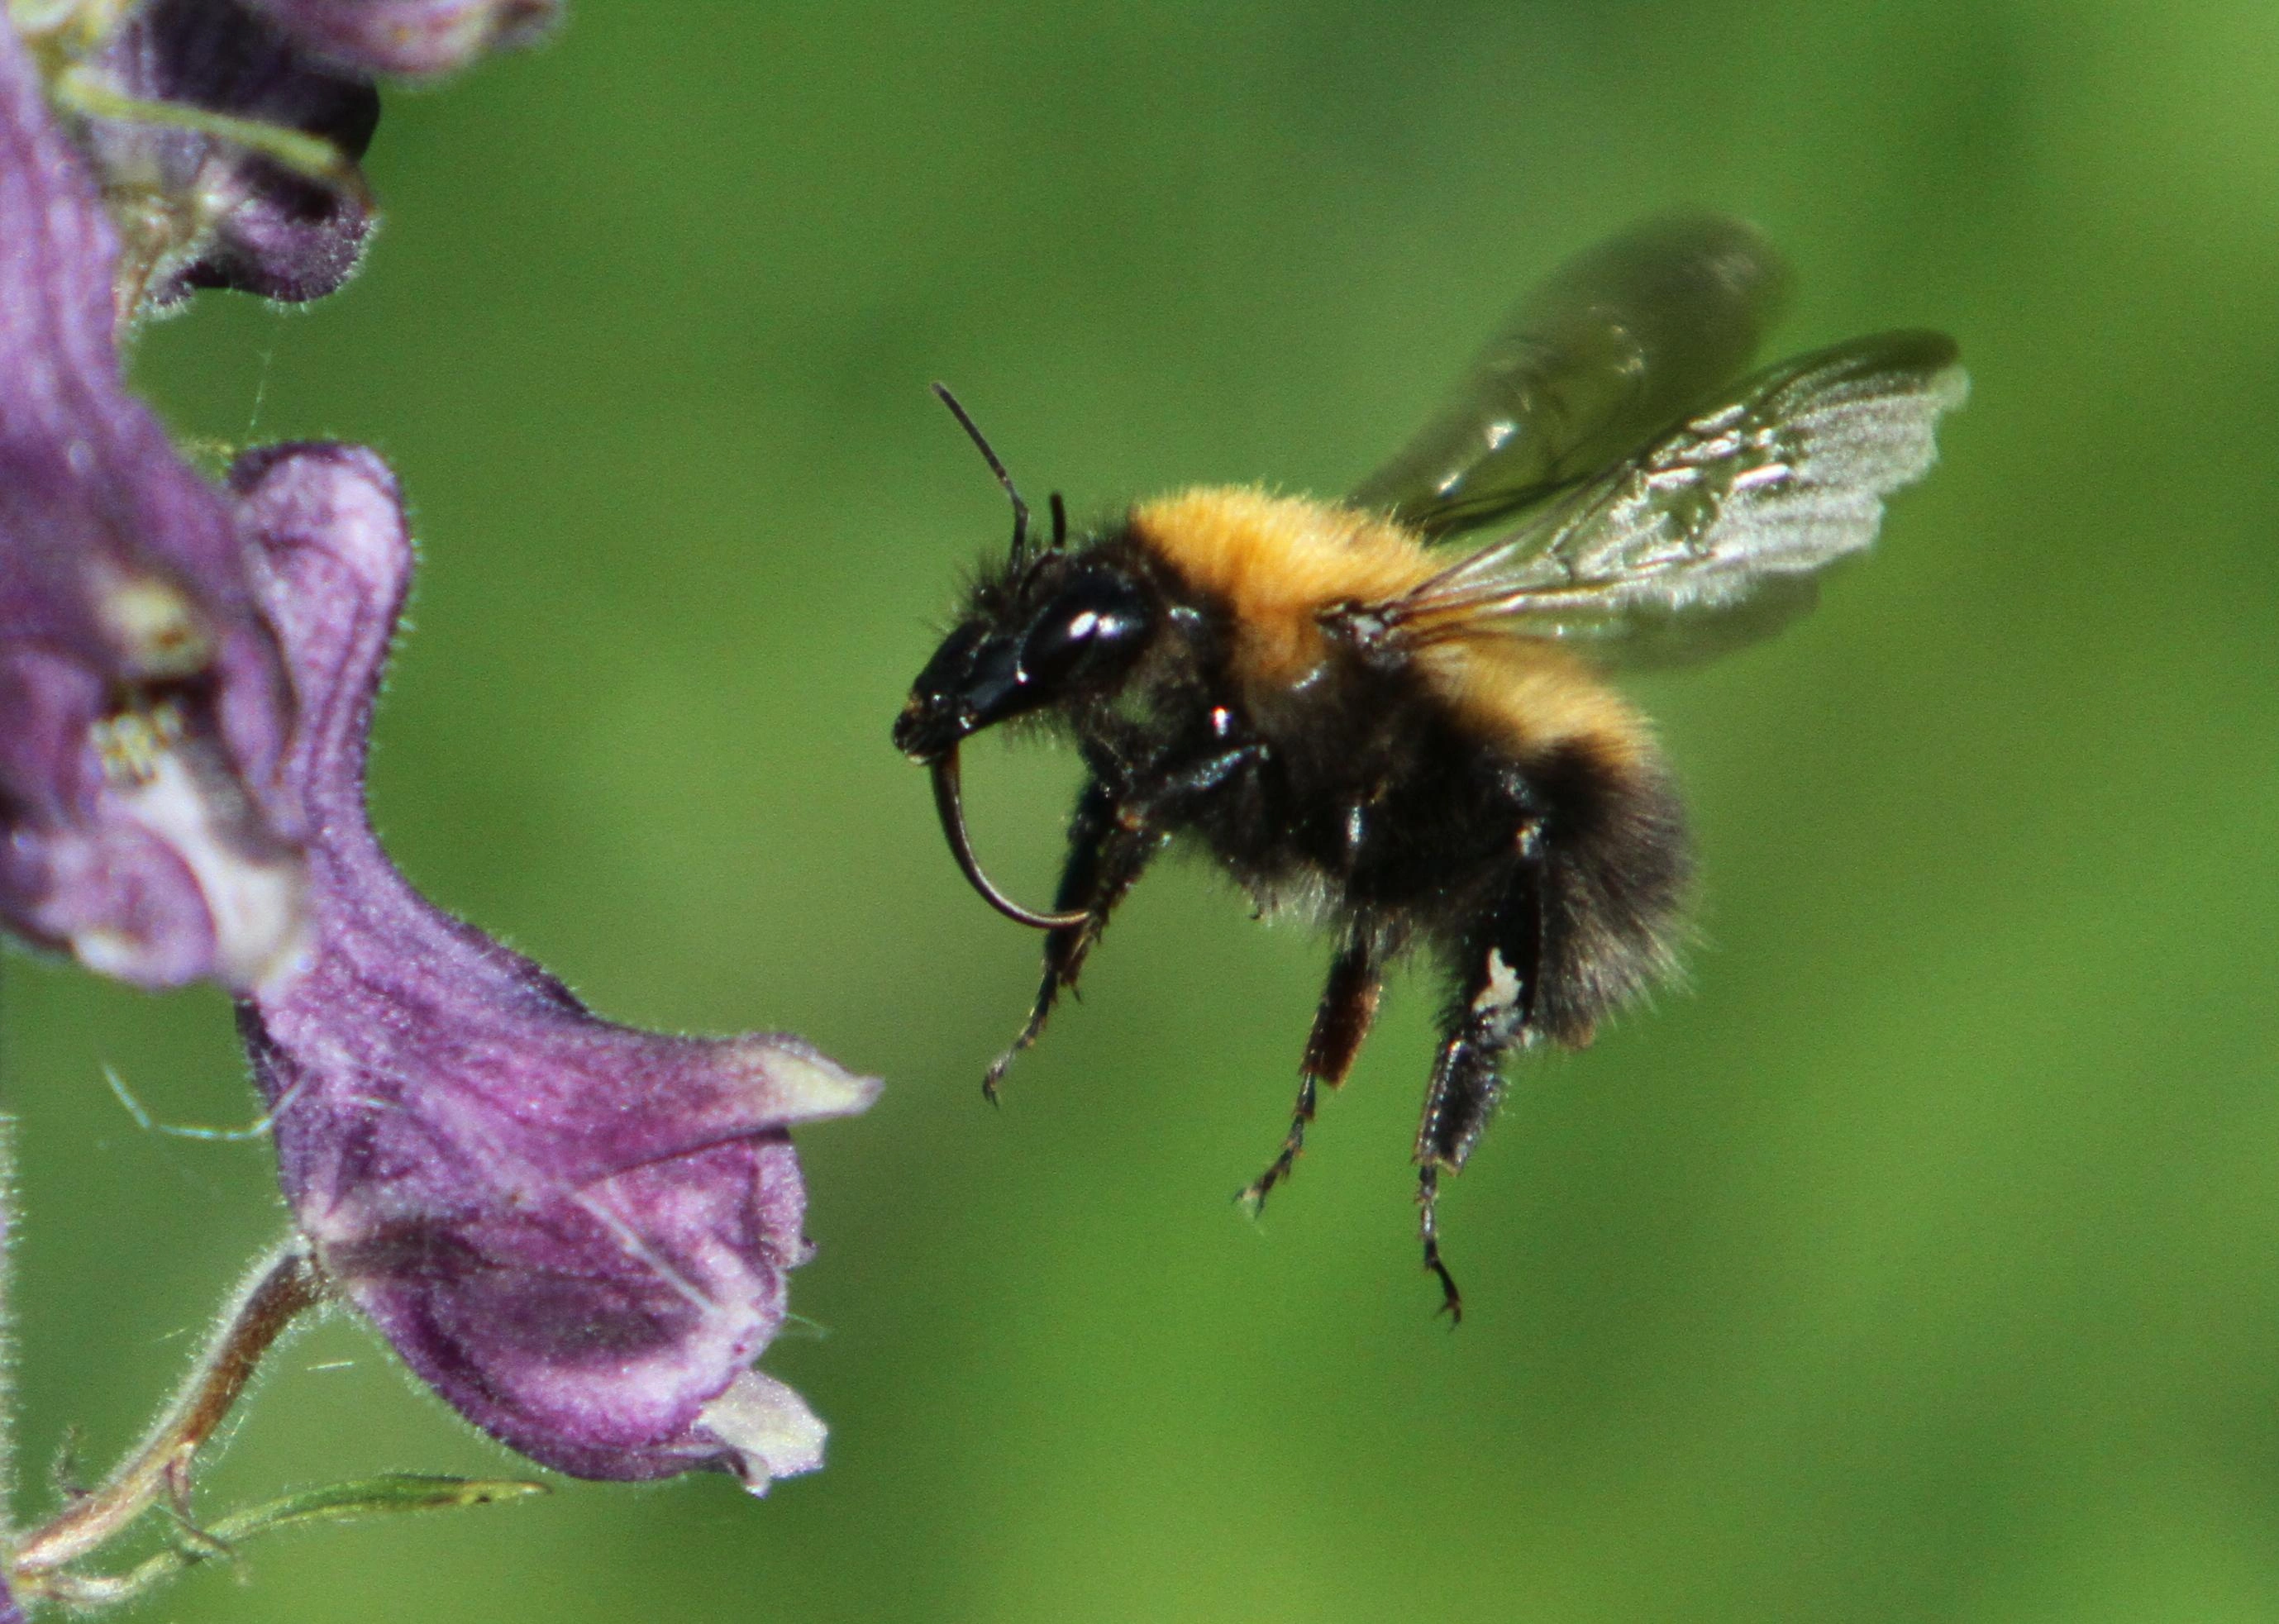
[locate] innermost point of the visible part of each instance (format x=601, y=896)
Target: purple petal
x=577, y=1232
x=142, y=823
x=416, y=37
x=203, y=212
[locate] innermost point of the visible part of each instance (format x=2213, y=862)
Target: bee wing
x=1710, y=536
x=1620, y=343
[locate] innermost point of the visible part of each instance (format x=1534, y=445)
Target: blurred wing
x=1709, y=537
x=1623, y=341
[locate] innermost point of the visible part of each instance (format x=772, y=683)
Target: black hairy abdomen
x=1368, y=797
x=1617, y=869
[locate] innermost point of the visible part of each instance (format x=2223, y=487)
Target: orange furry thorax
x=1276, y=563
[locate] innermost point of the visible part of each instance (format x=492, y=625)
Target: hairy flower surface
x=576, y=1232
x=414, y=37
x=200, y=210
x=144, y=824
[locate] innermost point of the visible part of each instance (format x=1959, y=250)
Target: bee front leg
x=1492, y=1013
x=1110, y=847
x=1348, y=1008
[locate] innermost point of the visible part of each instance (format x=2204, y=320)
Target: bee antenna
x=1020, y=507
x=1060, y=522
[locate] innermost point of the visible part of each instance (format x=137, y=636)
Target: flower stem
x=287, y=1283
x=87, y=93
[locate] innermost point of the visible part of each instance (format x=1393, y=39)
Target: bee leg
x=1110, y=847
x=1348, y=1007
x=1428, y=1225
x=1211, y=774
x=1491, y=1014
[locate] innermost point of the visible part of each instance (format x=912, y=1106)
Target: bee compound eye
x=1090, y=630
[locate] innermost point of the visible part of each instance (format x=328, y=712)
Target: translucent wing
x=1623, y=341
x=1710, y=536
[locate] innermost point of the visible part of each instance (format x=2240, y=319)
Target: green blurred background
x=1916, y=1263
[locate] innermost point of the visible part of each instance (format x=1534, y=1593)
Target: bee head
x=1057, y=628
x=1048, y=627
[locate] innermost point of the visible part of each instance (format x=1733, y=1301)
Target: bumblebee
x=1412, y=743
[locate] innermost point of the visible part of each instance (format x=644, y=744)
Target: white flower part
x=797, y=1083
x=769, y=1427
x=258, y=903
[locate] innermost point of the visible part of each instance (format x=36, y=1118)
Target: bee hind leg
x=1492, y=1013
x=1348, y=1010
x=1110, y=847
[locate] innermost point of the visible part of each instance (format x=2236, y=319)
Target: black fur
x=1547, y=886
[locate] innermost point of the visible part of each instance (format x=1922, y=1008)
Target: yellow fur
x=1534, y=696
x=1277, y=561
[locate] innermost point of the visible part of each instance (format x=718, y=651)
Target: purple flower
x=227, y=133
x=144, y=822
x=576, y=1232
x=414, y=37
x=201, y=210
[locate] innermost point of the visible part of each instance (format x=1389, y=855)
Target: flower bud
x=198, y=210
x=576, y=1232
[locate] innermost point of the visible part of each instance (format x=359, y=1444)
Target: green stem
x=312, y=157
x=286, y=1283
x=396, y=1492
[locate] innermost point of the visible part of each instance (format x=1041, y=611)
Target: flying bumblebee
x=1412, y=744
